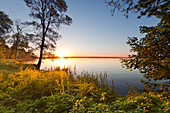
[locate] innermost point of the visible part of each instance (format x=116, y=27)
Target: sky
x=94, y=32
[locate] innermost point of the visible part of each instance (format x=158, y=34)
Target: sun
x=62, y=54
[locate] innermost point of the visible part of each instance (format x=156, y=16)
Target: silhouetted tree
x=49, y=15
x=142, y=7
x=5, y=23
x=152, y=52
x=5, y=26
x=4, y=49
x=19, y=39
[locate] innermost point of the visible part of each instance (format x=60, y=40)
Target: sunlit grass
x=8, y=66
x=62, y=90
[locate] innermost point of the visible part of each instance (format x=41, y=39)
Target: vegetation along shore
x=24, y=89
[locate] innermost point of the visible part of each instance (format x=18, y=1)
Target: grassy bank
x=26, y=90
x=10, y=66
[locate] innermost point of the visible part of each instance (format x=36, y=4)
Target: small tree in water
x=49, y=15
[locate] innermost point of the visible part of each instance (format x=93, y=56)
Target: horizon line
x=83, y=57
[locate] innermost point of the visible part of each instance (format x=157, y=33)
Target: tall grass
x=30, y=84
x=62, y=90
x=36, y=84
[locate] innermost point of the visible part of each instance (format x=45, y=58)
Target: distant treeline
x=7, y=52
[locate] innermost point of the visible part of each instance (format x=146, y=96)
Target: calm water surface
x=111, y=66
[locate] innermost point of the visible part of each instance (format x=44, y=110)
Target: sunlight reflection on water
x=112, y=67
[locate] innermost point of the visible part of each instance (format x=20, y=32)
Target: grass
x=9, y=66
x=26, y=90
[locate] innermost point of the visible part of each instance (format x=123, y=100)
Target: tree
x=5, y=23
x=5, y=26
x=49, y=15
x=152, y=51
x=143, y=7
x=19, y=40
x=4, y=49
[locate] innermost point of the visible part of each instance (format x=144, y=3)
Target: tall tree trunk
x=16, y=53
x=42, y=47
x=17, y=41
x=41, y=53
x=44, y=30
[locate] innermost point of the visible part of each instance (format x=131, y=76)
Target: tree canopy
x=152, y=52
x=48, y=15
x=143, y=7
x=19, y=39
x=5, y=23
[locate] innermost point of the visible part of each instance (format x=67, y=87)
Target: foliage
x=151, y=53
x=59, y=91
x=152, y=56
x=48, y=15
x=144, y=8
x=4, y=49
x=7, y=52
x=5, y=26
x=17, y=50
x=5, y=23
x=19, y=45
x=145, y=102
x=19, y=40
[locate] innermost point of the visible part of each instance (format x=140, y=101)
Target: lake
x=111, y=66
